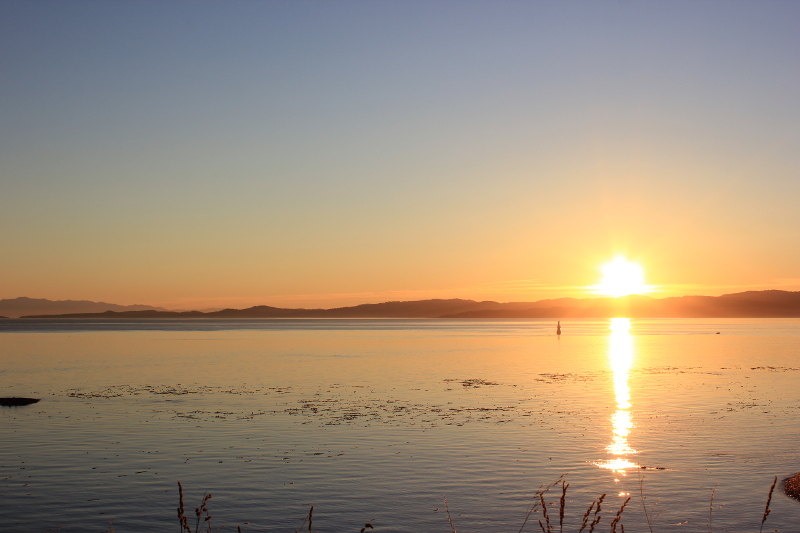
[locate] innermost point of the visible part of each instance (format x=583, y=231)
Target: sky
x=196, y=154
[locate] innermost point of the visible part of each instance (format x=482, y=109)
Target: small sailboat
x=558, y=328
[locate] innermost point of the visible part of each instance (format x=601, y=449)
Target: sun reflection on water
x=620, y=354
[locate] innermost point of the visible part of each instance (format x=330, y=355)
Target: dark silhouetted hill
x=751, y=304
x=16, y=307
x=415, y=309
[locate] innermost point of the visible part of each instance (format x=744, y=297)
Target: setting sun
x=621, y=278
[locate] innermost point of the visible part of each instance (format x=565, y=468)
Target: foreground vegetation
x=544, y=516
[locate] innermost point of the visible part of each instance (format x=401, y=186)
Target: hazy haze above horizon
x=304, y=153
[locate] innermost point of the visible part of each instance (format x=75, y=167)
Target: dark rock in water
x=791, y=486
x=10, y=402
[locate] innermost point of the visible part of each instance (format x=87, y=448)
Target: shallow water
x=377, y=420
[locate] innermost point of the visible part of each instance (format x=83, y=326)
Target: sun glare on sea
x=621, y=278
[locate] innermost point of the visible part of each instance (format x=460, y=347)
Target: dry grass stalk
x=586, y=516
x=711, y=510
x=562, y=504
x=184, y=522
x=449, y=518
x=545, y=514
x=536, y=503
x=642, y=497
x=200, y=512
x=766, y=508
x=597, y=515
x=527, y=516
x=308, y=519
x=618, y=517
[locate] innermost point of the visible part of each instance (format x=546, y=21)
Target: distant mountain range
x=751, y=304
x=16, y=307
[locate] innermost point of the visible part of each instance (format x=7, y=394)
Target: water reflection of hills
x=751, y=304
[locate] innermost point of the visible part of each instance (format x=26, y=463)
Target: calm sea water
x=378, y=420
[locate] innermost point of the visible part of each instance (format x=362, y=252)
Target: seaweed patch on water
x=377, y=410
x=704, y=370
x=116, y=391
x=775, y=368
x=367, y=411
x=474, y=401
x=364, y=406
x=471, y=383
x=109, y=392
x=656, y=370
x=560, y=378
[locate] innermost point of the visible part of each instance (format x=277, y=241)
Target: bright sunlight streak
x=620, y=354
x=621, y=278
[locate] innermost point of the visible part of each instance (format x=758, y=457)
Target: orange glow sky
x=204, y=154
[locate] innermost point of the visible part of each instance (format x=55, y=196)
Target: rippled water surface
x=377, y=420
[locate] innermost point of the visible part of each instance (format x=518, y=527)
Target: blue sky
x=325, y=153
